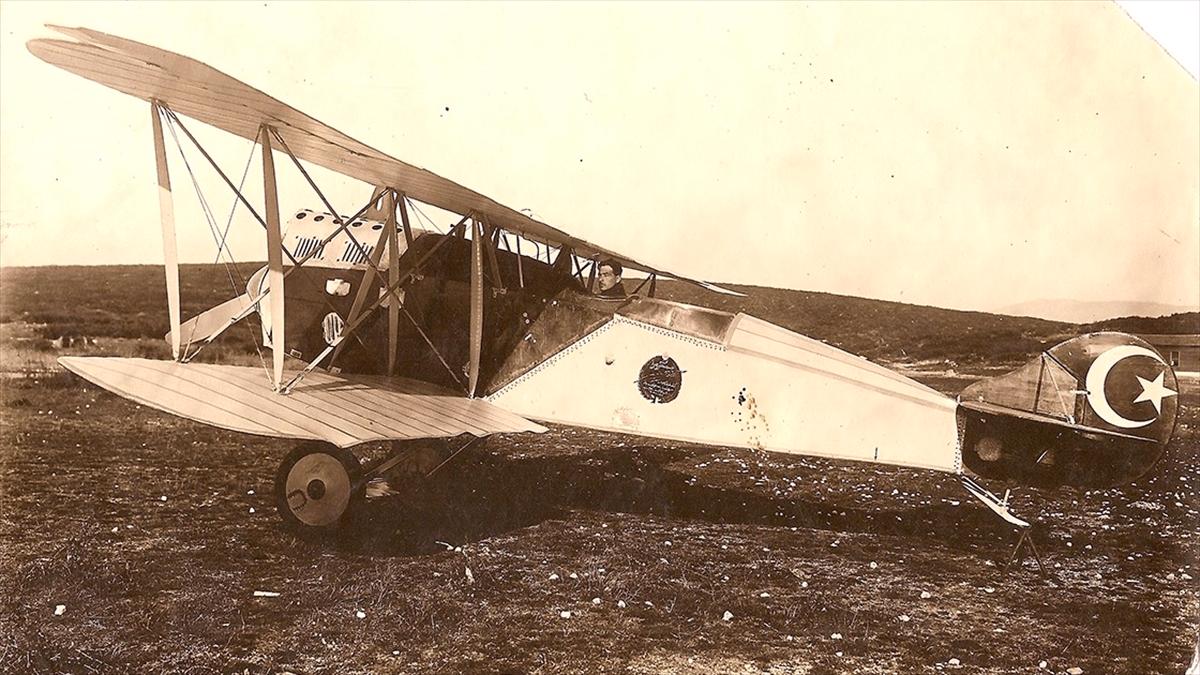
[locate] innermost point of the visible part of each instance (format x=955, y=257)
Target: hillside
x=128, y=301
x=1090, y=311
x=1175, y=324
x=883, y=330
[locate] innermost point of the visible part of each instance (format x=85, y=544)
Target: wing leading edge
x=343, y=410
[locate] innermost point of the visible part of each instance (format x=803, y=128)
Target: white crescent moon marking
x=1097, y=376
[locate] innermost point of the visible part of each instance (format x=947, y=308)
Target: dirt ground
x=134, y=541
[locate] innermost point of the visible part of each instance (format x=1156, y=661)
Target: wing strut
x=402, y=203
x=520, y=272
x=477, y=237
x=364, y=287
x=391, y=291
x=274, y=256
x=296, y=264
x=490, y=243
x=166, y=212
x=382, y=199
x=393, y=242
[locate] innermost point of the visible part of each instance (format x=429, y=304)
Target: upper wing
x=202, y=92
x=343, y=410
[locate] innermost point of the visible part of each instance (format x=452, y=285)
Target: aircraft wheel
x=316, y=486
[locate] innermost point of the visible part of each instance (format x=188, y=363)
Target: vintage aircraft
x=495, y=324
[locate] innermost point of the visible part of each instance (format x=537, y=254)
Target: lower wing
x=343, y=410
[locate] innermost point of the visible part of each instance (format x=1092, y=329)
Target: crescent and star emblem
x=1153, y=391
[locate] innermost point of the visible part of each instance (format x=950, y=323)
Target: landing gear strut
x=318, y=486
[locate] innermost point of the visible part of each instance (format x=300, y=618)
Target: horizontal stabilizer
x=993, y=409
x=343, y=410
x=206, y=324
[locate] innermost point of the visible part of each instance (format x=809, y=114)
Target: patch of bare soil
x=134, y=541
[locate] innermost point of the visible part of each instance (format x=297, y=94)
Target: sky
x=967, y=155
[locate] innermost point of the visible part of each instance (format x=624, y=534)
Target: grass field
x=573, y=551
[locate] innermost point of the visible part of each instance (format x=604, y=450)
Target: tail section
x=1094, y=411
x=211, y=322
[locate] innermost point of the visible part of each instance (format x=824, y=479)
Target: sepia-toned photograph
x=605, y=337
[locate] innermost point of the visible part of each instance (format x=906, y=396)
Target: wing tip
x=36, y=45
x=75, y=365
x=44, y=42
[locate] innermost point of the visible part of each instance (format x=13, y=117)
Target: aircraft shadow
x=489, y=494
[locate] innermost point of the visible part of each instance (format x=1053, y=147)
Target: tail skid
x=1000, y=507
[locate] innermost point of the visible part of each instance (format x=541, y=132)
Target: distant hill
x=115, y=300
x=129, y=301
x=887, y=331
x=1176, y=324
x=1089, y=311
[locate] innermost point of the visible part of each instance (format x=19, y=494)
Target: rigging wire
x=222, y=246
x=212, y=225
x=422, y=215
x=296, y=263
x=1058, y=392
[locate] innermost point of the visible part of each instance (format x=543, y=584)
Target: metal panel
x=343, y=410
x=202, y=92
x=766, y=340
x=771, y=389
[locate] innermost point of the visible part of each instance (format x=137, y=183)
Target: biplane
x=382, y=328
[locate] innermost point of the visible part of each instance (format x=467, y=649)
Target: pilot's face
x=607, y=278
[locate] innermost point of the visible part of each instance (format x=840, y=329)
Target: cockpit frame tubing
x=391, y=289
x=320, y=195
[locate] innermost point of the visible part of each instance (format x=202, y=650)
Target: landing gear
x=316, y=486
x=319, y=486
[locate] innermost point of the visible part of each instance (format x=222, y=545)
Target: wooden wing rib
x=343, y=410
x=195, y=89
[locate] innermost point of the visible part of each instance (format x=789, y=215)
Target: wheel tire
x=317, y=487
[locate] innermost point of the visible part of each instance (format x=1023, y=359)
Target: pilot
x=608, y=279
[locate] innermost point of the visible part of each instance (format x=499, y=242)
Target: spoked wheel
x=316, y=486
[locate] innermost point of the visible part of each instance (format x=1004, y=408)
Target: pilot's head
x=609, y=274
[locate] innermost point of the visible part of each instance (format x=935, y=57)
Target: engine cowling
x=1094, y=411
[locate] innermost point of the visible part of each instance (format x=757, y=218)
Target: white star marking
x=1153, y=391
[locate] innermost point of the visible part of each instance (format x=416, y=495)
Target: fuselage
x=554, y=352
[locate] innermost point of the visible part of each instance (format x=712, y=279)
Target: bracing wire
x=222, y=243
x=1058, y=392
x=424, y=217
x=213, y=228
